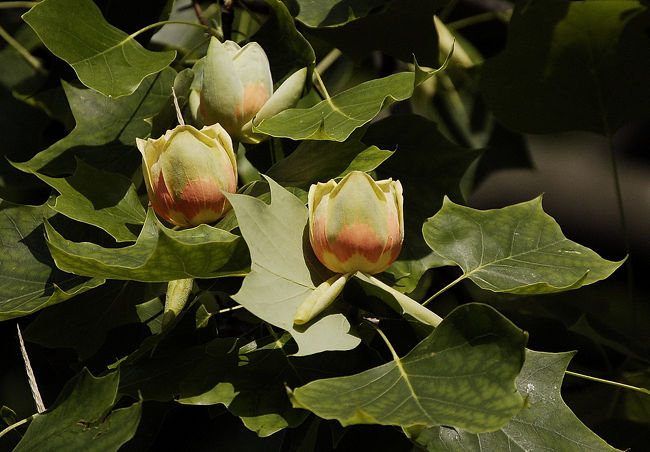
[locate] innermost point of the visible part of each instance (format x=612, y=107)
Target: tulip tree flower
x=236, y=88
x=186, y=172
x=356, y=225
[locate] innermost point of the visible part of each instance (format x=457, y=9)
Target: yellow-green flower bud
x=236, y=87
x=357, y=224
x=186, y=172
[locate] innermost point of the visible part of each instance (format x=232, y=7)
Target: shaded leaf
x=90, y=316
x=320, y=161
x=286, y=48
x=463, y=374
x=82, y=418
x=331, y=13
x=29, y=280
x=284, y=271
x=106, y=200
x=571, y=65
x=105, y=58
x=159, y=254
x=337, y=117
x=102, y=120
x=401, y=29
x=517, y=249
x=429, y=166
x=546, y=424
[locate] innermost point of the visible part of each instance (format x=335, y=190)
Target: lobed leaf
x=30, y=280
x=103, y=199
x=335, y=118
x=547, y=423
x=105, y=58
x=100, y=121
x=82, y=418
x=284, y=271
x=462, y=374
x=517, y=249
x=159, y=254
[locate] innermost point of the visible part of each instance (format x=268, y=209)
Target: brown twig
x=227, y=18
x=199, y=14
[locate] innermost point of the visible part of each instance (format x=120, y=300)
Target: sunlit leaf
x=571, y=65
x=517, y=249
x=337, y=117
x=159, y=254
x=82, y=418
x=330, y=13
x=545, y=424
x=29, y=279
x=284, y=271
x=463, y=374
x=105, y=58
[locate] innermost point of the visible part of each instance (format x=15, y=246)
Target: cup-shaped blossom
x=186, y=172
x=357, y=224
x=236, y=87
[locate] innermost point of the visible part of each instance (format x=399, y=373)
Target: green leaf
x=90, y=316
x=102, y=120
x=330, y=13
x=571, y=65
x=286, y=48
x=29, y=280
x=463, y=374
x=252, y=388
x=82, y=418
x=159, y=254
x=402, y=29
x=546, y=424
x=320, y=161
x=105, y=58
x=517, y=249
x=429, y=166
x=337, y=117
x=284, y=271
x=106, y=200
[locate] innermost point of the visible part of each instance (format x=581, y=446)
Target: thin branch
x=453, y=283
x=199, y=14
x=40, y=407
x=17, y=424
x=227, y=18
x=33, y=61
x=609, y=382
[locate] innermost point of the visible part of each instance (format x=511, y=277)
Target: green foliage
x=409, y=358
x=83, y=418
x=517, y=249
x=105, y=58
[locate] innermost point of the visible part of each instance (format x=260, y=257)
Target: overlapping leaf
x=105, y=59
x=337, y=117
x=82, y=418
x=320, y=161
x=106, y=200
x=284, y=271
x=571, y=65
x=546, y=424
x=159, y=254
x=101, y=121
x=330, y=13
x=517, y=249
x=29, y=280
x=463, y=374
